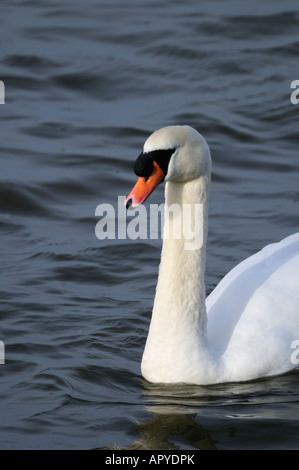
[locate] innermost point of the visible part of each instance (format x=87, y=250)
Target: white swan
x=246, y=326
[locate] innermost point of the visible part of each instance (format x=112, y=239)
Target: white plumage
x=244, y=329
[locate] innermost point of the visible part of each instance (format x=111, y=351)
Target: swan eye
x=144, y=163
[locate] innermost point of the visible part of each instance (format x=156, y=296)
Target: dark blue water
x=85, y=83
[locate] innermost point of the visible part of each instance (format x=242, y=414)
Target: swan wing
x=253, y=314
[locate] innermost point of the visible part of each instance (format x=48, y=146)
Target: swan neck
x=182, y=268
x=179, y=319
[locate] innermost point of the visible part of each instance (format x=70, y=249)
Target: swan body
x=244, y=329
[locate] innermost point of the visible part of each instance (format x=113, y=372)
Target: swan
x=245, y=328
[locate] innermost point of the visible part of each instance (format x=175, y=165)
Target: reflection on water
x=178, y=413
x=163, y=431
x=175, y=418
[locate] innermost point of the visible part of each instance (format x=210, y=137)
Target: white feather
x=244, y=329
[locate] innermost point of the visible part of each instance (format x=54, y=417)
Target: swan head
x=174, y=153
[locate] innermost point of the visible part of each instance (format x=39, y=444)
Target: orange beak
x=144, y=187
